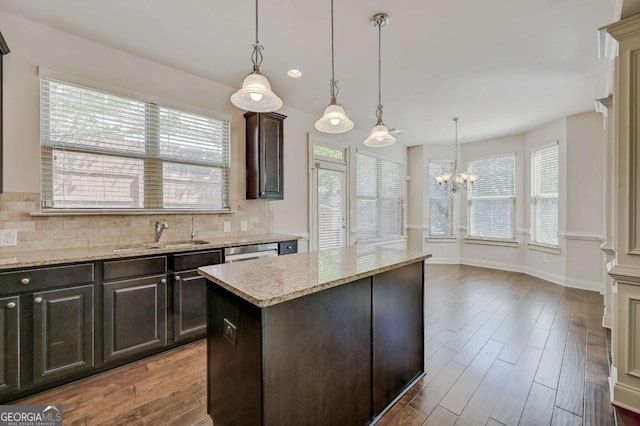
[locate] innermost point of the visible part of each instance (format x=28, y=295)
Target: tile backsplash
x=51, y=232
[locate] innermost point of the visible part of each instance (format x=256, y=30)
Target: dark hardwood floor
x=501, y=348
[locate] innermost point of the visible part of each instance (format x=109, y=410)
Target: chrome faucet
x=159, y=228
x=194, y=233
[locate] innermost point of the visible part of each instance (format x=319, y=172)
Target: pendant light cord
x=455, y=161
x=380, y=22
x=256, y=56
x=334, y=82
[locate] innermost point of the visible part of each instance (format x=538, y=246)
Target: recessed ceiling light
x=294, y=73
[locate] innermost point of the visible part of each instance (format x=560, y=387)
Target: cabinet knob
x=25, y=281
x=11, y=305
x=289, y=247
x=163, y=281
x=177, y=278
x=38, y=300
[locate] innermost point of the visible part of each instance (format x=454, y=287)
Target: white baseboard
x=443, y=261
x=626, y=397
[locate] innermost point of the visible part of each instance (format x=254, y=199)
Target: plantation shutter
x=440, y=202
x=379, y=188
x=545, y=169
x=492, y=199
x=105, y=151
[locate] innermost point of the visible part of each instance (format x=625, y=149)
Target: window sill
x=382, y=242
x=97, y=212
x=492, y=242
x=545, y=248
x=441, y=239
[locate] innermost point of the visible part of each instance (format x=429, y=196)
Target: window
x=492, y=201
x=440, y=202
x=544, y=195
x=104, y=151
x=328, y=196
x=379, y=188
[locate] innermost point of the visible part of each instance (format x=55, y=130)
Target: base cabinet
x=135, y=316
x=340, y=356
x=9, y=345
x=63, y=332
x=189, y=294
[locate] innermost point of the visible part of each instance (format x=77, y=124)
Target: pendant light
x=455, y=181
x=255, y=94
x=379, y=135
x=334, y=119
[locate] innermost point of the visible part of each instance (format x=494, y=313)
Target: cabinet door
x=9, y=345
x=264, y=155
x=271, y=156
x=135, y=316
x=189, y=305
x=63, y=332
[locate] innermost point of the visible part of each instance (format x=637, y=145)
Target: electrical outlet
x=8, y=237
x=229, y=331
x=227, y=227
x=243, y=225
x=545, y=258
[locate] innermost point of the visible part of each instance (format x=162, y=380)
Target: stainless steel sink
x=184, y=243
x=125, y=249
x=167, y=245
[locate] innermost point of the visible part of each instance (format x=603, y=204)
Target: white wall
x=581, y=228
x=35, y=46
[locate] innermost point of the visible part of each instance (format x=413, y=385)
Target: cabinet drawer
x=116, y=269
x=43, y=278
x=183, y=262
x=287, y=247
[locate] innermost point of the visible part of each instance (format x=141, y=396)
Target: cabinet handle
x=11, y=305
x=25, y=281
x=163, y=281
x=177, y=278
x=38, y=300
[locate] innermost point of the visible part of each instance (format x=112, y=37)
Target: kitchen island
x=324, y=337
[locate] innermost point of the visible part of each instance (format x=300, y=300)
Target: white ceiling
x=503, y=66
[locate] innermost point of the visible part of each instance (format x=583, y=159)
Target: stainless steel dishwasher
x=253, y=251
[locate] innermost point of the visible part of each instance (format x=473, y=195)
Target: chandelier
x=455, y=181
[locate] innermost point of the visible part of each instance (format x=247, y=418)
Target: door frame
x=316, y=162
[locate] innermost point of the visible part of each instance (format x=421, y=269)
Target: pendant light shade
x=334, y=119
x=379, y=135
x=255, y=94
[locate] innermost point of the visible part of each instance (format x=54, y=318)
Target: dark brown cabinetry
x=47, y=324
x=343, y=354
x=287, y=247
x=9, y=345
x=189, y=294
x=264, y=155
x=134, y=309
x=62, y=332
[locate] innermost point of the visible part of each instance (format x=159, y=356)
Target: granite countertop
x=269, y=281
x=36, y=258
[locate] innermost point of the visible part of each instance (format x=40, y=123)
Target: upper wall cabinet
x=265, y=172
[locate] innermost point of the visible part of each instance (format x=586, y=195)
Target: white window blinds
x=104, y=151
x=544, y=195
x=380, y=202
x=440, y=202
x=492, y=200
